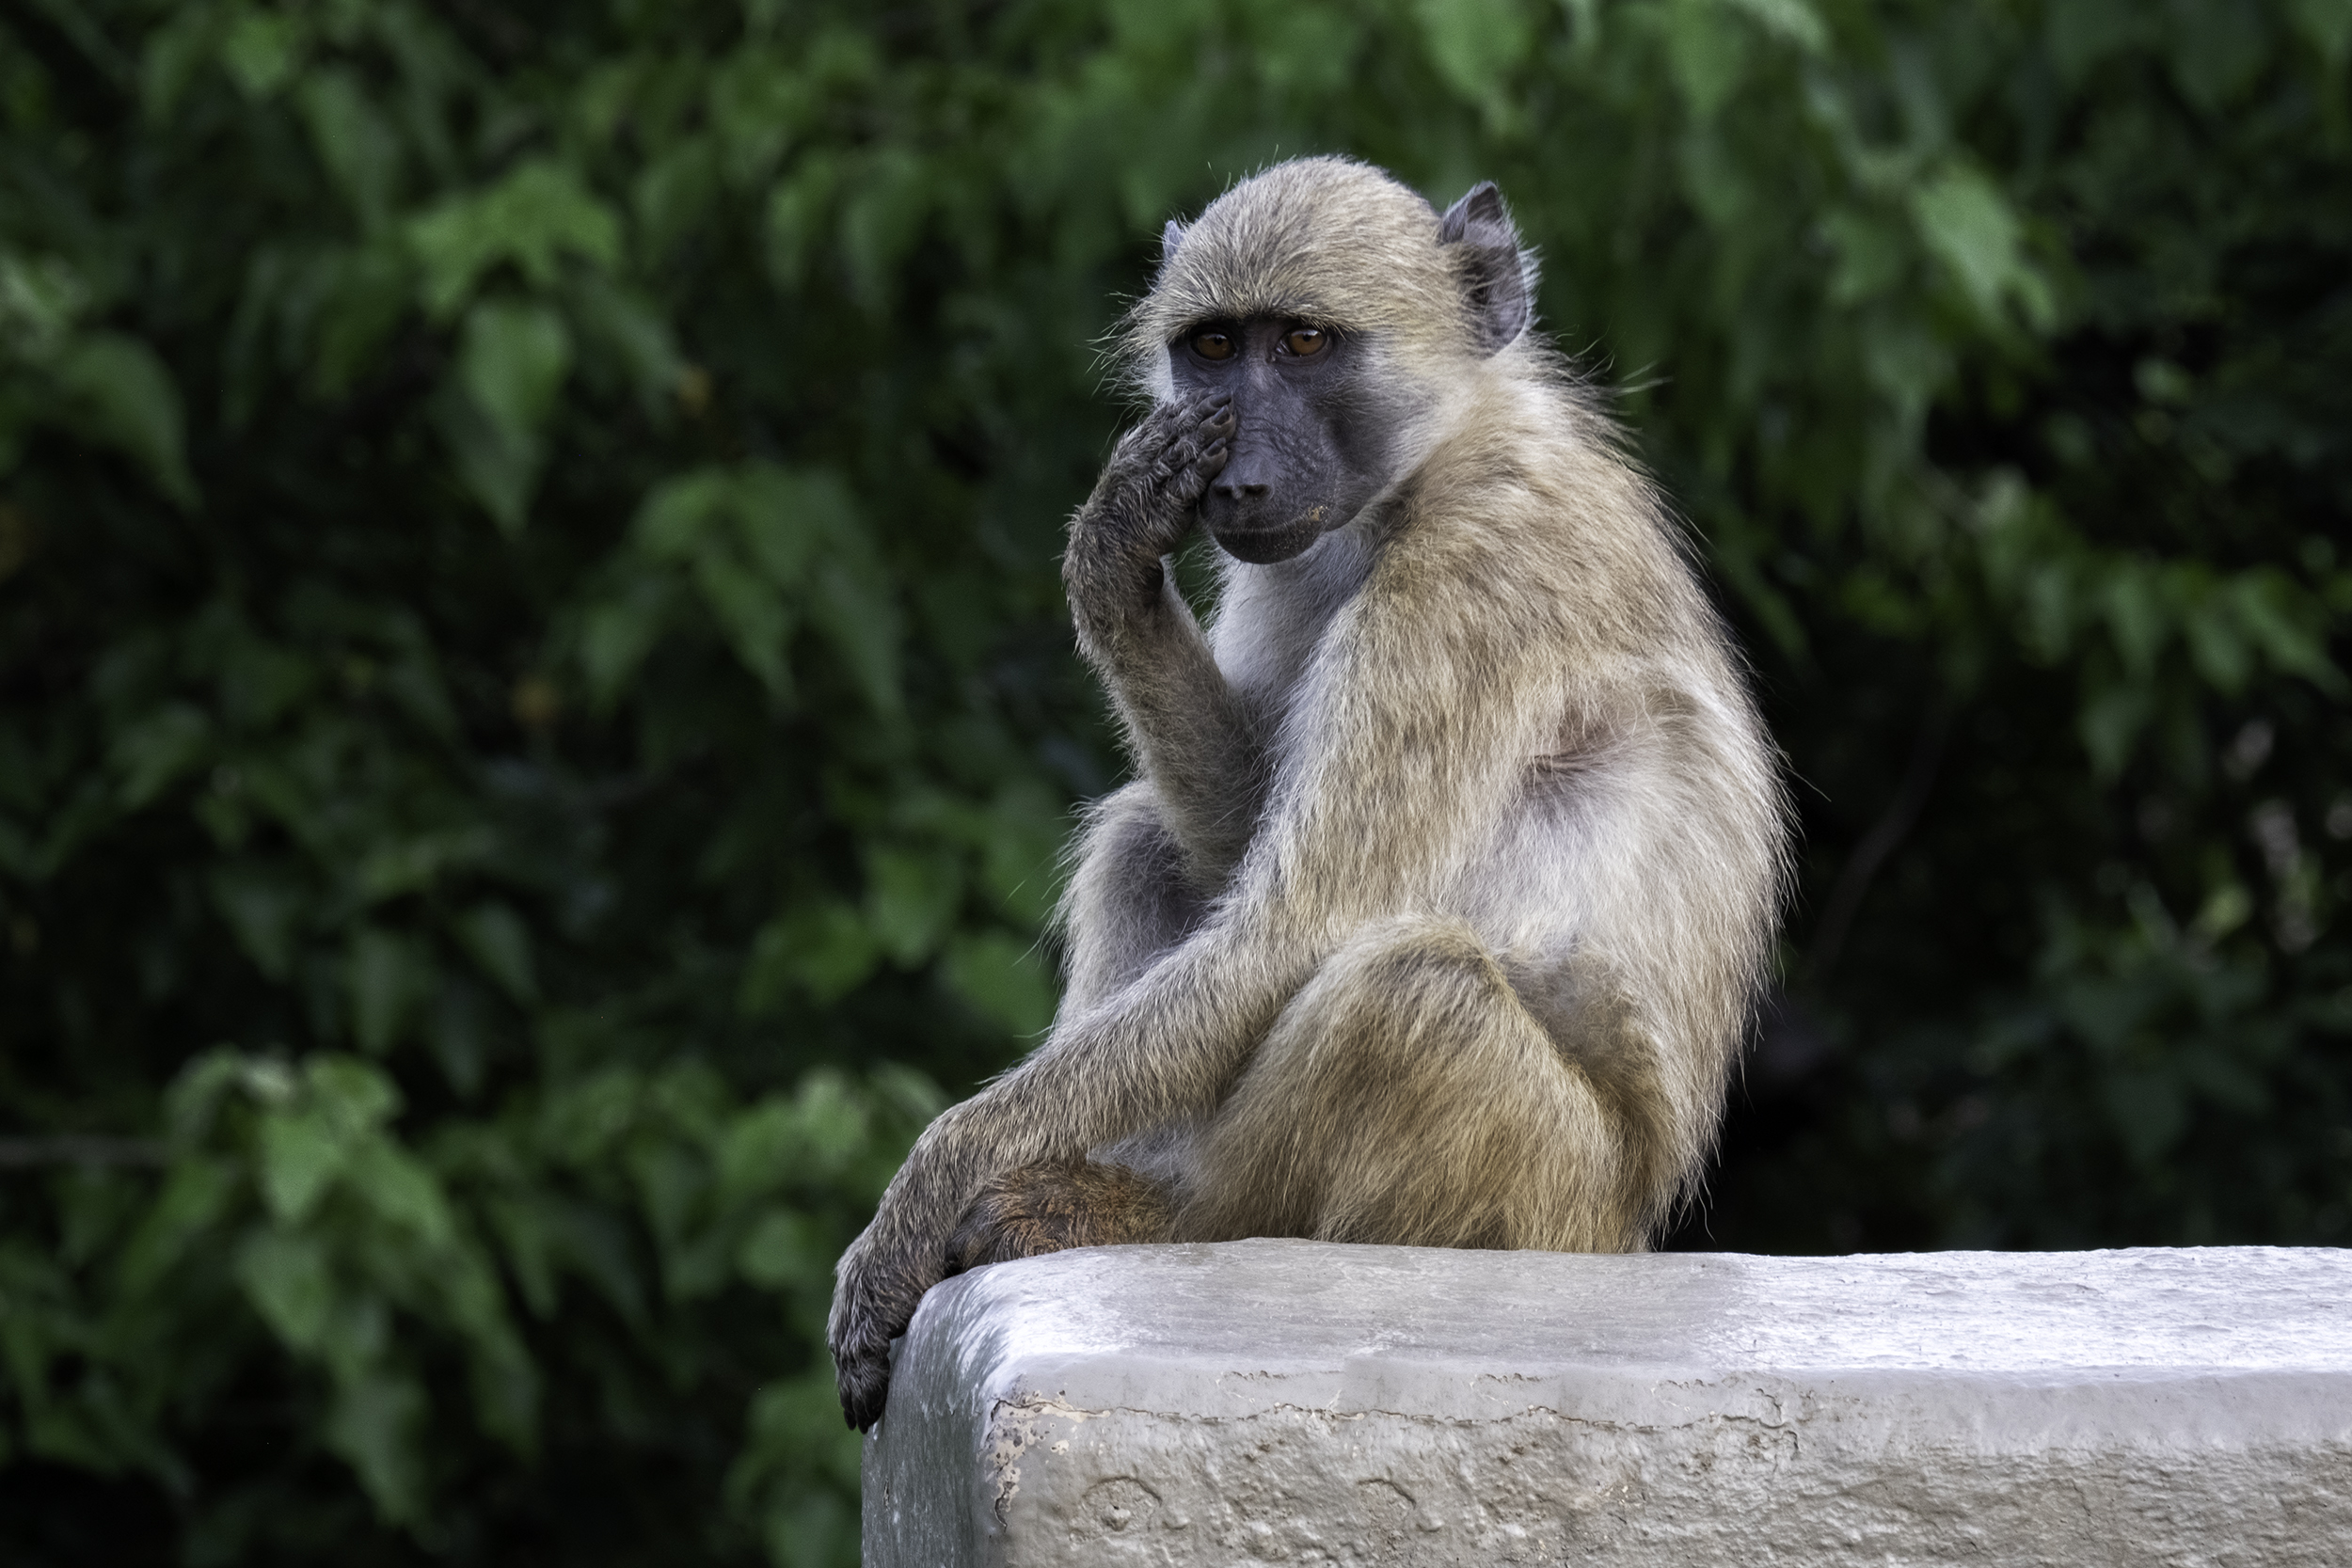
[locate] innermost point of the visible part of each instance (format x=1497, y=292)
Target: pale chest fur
x=1270, y=620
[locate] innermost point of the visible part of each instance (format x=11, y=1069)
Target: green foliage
x=538, y=719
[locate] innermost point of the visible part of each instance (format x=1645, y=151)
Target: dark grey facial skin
x=1309, y=444
x=1309, y=438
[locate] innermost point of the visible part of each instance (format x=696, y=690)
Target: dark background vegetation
x=536, y=712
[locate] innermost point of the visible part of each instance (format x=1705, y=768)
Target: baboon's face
x=1309, y=444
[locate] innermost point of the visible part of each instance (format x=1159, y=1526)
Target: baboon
x=1437, y=909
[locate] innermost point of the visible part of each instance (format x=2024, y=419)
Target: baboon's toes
x=1056, y=1204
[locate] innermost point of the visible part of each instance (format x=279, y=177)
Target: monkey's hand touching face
x=1141, y=509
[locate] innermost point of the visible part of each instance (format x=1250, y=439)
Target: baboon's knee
x=1408, y=1095
x=1418, y=987
x=1058, y=1204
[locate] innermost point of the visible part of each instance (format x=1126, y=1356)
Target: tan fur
x=1438, y=911
x=1056, y=1204
x=1292, y=243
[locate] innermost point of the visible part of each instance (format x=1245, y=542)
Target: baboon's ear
x=1171, y=237
x=1493, y=275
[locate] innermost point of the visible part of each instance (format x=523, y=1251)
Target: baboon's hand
x=1142, y=507
x=879, y=1284
x=883, y=1276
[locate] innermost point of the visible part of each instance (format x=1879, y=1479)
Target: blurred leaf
x=1004, y=979
x=158, y=749
x=677, y=516
x=2328, y=25
x=300, y=1156
x=375, y=1423
x=1796, y=21
x=911, y=898
x=1020, y=849
x=854, y=609
x=540, y=212
x=1475, y=43
x=784, y=518
x=402, y=1193
x=118, y=392
x=833, y=1123
x=1710, y=52
x=783, y=1250
x=632, y=333
x=827, y=951
x=360, y=151
x=1966, y=222
x=511, y=362
x=756, y=620
x=389, y=975
x=287, y=1279
x=1870, y=257
x=501, y=944
x=617, y=634
x=262, y=50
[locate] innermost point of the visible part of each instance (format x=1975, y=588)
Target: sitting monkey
x=1438, y=911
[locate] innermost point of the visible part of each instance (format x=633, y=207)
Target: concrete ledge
x=1296, y=1403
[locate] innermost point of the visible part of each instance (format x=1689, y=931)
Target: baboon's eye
x=1212, y=345
x=1304, y=341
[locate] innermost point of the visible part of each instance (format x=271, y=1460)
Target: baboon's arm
x=1188, y=730
x=1418, y=721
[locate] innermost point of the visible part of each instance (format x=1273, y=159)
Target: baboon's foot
x=1056, y=1204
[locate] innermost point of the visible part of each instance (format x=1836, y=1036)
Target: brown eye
x=1304, y=341
x=1212, y=345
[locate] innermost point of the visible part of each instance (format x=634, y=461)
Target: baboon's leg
x=1407, y=1094
x=1056, y=1204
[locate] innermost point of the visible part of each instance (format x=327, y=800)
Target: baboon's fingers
x=861, y=1360
x=1056, y=1204
x=863, y=1380
x=1174, y=459
x=1163, y=422
x=1000, y=1225
x=1124, y=456
x=1170, y=424
x=1203, y=454
x=1192, y=481
x=1202, y=408
x=980, y=1239
x=880, y=1287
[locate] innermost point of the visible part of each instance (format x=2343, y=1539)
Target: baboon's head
x=1336, y=308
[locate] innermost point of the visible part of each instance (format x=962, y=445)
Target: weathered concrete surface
x=1293, y=1402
